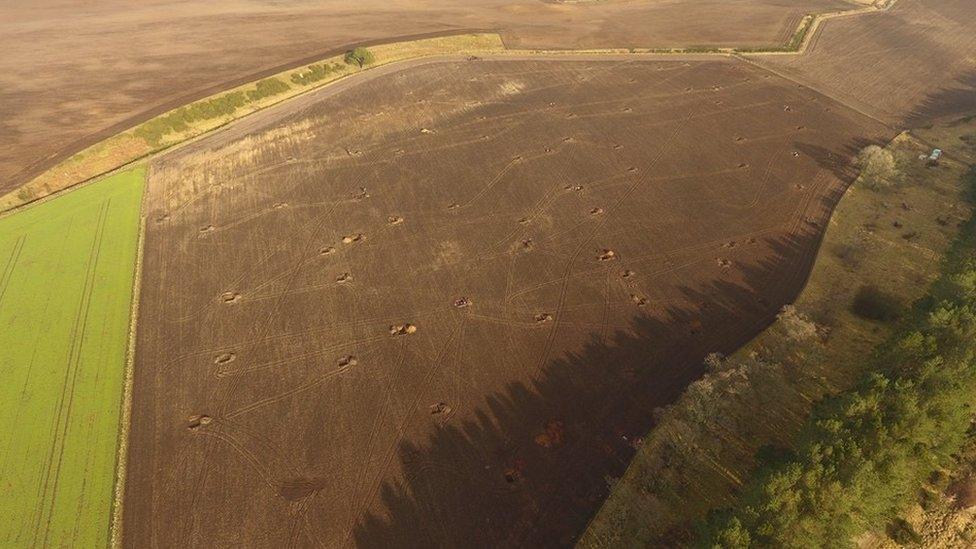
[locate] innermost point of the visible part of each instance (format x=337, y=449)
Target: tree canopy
x=878, y=167
x=359, y=56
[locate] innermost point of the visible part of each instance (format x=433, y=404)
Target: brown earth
x=569, y=239
x=73, y=73
x=912, y=65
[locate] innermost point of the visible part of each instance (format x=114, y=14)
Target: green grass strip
x=66, y=278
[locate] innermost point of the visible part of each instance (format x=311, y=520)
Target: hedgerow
x=314, y=73
x=267, y=88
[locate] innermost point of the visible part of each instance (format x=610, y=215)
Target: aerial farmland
x=520, y=274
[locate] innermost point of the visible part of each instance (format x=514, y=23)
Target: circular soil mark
x=195, y=422
x=606, y=255
x=552, y=435
x=439, y=409
x=402, y=329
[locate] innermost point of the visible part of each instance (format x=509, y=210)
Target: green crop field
x=66, y=279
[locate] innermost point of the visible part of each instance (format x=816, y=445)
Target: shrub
x=359, y=56
x=314, y=73
x=902, y=533
x=267, y=88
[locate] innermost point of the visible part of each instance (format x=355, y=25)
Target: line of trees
x=865, y=454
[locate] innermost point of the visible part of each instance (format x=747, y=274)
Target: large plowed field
x=910, y=65
x=440, y=309
x=73, y=73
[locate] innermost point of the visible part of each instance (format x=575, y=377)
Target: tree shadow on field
x=836, y=162
x=533, y=466
x=955, y=100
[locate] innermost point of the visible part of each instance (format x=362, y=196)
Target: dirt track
x=567, y=239
x=73, y=73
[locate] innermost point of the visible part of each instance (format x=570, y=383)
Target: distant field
x=914, y=64
x=70, y=78
x=66, y=274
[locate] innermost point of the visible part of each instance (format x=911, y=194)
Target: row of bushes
x=865, y=454
x=224, y=105
x=267, y=88
x=315, y=73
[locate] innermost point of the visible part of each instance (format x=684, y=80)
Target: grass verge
x=67, y=268
x=704, y=447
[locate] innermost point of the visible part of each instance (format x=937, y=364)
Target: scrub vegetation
x=865, y=454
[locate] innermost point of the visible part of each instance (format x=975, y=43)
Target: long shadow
x=955, y=100
x=836, y=162
x=533, y=466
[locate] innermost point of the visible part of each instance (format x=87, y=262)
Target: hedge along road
x=66, y=283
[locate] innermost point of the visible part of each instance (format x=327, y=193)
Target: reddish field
x=911, y=65
x=75, y=72
x=555, y=246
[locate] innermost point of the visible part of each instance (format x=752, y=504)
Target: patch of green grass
x=66, y=281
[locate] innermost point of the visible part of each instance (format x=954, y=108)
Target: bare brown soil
x=73, y=73
x=487, y=364
x=911, y=65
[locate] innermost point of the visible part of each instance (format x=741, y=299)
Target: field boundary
x=37, y=190
x=125, y=413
